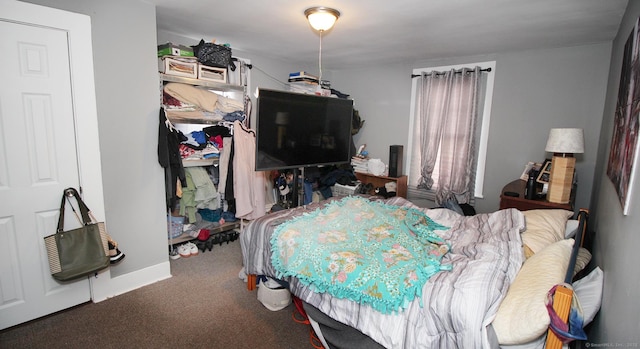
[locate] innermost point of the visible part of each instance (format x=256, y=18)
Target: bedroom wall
x=534, y=91
x=617, y=238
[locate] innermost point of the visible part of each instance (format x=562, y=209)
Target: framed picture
x=530, y=166
x=623, y=153
x=545, y=172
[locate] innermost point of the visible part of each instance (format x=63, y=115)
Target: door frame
x=78, y=29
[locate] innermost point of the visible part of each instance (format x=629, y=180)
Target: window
x=447, y=154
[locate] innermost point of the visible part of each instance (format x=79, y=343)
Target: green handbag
x=79, y=252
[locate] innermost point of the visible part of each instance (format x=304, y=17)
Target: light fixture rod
x=320, y=62
x=321, y=19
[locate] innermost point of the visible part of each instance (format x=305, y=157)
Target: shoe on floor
x=193, y=249
x=184, y=251
x=202, y=245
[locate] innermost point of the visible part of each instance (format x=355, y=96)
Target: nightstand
x=523, y=204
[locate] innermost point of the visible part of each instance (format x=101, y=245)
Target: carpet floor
x=204, y=305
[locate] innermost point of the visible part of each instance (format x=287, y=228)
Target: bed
x=463, y=303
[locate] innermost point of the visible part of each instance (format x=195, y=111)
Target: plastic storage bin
x=343, y=190
x=175, y=224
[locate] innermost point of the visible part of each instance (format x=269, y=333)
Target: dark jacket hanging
x=229, y=194
x=169, y=158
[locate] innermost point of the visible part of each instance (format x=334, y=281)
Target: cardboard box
x=170, y=49
x=208, y=73
x=179, y=66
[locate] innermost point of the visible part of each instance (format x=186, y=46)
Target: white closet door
x=38, y=159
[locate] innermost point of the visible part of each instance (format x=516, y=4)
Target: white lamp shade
x=565, y=140
x=321, y=18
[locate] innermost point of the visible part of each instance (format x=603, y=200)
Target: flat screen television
x=295, y=130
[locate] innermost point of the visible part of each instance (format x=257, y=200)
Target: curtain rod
x=438, y=73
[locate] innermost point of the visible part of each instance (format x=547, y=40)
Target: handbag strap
x=84, y=210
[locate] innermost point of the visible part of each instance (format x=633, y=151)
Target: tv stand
x=380, y=181
x=295, y=188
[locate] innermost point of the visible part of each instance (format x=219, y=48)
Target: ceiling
x=376, y=32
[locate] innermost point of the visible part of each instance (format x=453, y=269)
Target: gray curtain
x=448, y=110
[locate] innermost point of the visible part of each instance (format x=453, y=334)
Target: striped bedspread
x=457, y=305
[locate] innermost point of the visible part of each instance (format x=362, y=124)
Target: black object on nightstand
x=513, y=196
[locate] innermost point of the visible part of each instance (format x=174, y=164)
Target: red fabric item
x=217, y=141
x=204, y=234
x=185, y=151
x=168, y=99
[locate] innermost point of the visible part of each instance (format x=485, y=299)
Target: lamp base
x=561, y=179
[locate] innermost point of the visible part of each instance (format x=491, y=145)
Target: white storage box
x=179, y=66
x=208, y=73
x=240, y=75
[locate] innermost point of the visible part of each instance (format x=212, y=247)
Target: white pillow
x=582, y=260
x=522, y=315
x=544, y=227
x=589, y=293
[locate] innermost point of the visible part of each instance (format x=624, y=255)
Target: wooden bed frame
x=563, y=295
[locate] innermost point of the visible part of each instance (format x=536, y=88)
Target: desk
x=523, y=204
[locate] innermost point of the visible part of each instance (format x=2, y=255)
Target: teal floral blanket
x=366, y=251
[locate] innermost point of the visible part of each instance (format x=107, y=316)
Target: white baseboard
x=105, y=289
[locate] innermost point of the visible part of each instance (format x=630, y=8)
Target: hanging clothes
x=229, y=193
x=169, y=140
x=248, y=184
x=199, y=193
x=226, y=174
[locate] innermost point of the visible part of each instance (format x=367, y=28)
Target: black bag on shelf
x=212, y=55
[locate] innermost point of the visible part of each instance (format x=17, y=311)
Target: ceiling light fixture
x=321, y=19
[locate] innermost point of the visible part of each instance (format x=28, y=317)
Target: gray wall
x=127, y=95
x=617, y=238
x=534, y=91
x=540, y=90
x=382, y=96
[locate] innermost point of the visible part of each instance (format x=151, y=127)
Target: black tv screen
x=295, y=130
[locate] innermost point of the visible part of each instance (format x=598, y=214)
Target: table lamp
x=563, y=143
